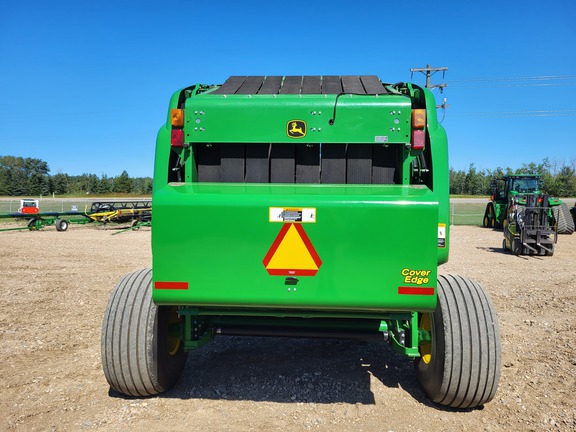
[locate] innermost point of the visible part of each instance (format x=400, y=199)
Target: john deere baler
x=303, y=206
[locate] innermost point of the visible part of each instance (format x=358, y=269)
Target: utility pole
x=429, y=71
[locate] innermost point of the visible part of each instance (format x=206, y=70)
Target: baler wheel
x=460, y=366
x=140, y=355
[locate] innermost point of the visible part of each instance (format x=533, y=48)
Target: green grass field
x=466, y=213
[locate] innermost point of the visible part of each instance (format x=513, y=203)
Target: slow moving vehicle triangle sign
x=292, y=253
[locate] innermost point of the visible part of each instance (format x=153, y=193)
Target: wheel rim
x=425, y=347
x=173, y=338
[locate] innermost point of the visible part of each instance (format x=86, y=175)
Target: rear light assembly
x=177, y=122
x=418, y=137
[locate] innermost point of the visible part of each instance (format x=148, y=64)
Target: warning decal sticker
x=292, y=253
x=441, y=235
x=292, y=214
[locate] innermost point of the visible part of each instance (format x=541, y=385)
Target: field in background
x=463, y=211
x=11, y=205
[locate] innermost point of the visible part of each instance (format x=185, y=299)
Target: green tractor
x=529, y=227
x=528, y=217
x=504, y=190
x=302, y=206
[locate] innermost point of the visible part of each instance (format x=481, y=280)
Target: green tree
x=38, y=185
x=457, y=182
x=566, y=181
x=474, y=182
x=123, y=183
x=105, y=185
x=5, y=182
x=60, y=184
x=23, y=176
x=143, y=186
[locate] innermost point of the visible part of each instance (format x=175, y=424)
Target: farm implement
x=302, y=207
x=121, y=212
x=531, y=220
x=137, y=213
x=529, y=228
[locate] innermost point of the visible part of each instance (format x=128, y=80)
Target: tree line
x=559, y=178
x=31, y=177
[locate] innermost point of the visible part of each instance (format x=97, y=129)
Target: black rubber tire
x=61, y=225
x=564, y=220
x=464, y=368
x=135, y=355
x=34, y=224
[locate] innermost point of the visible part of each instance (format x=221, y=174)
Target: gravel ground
x=55, y=286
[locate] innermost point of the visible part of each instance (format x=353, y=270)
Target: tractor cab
x=517, y=185
x=514, y=185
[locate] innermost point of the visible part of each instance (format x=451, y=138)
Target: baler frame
x=292, y=189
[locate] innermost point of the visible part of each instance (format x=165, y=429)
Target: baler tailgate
x=296, y=246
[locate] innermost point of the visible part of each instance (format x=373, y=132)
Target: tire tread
x=472, y=343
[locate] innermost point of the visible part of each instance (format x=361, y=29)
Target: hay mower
x=312, y=206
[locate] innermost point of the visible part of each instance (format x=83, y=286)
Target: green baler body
x=220, y=246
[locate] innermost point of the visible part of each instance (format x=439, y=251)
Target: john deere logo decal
x=296, y=128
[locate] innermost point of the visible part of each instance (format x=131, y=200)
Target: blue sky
x=85, y=85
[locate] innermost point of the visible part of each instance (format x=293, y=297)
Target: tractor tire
x=140, y=357
x=61, y=225
x=564, y=220
x=460, y=368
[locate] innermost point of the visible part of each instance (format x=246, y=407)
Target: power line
x=524, y=81
x=508, y=114
x=520, y=78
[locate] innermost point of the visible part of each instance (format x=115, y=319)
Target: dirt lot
x=55, y=286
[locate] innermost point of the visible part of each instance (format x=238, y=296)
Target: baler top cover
x=256, y=110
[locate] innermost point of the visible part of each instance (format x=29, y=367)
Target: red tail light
x=177, y=138
x=418, y=139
